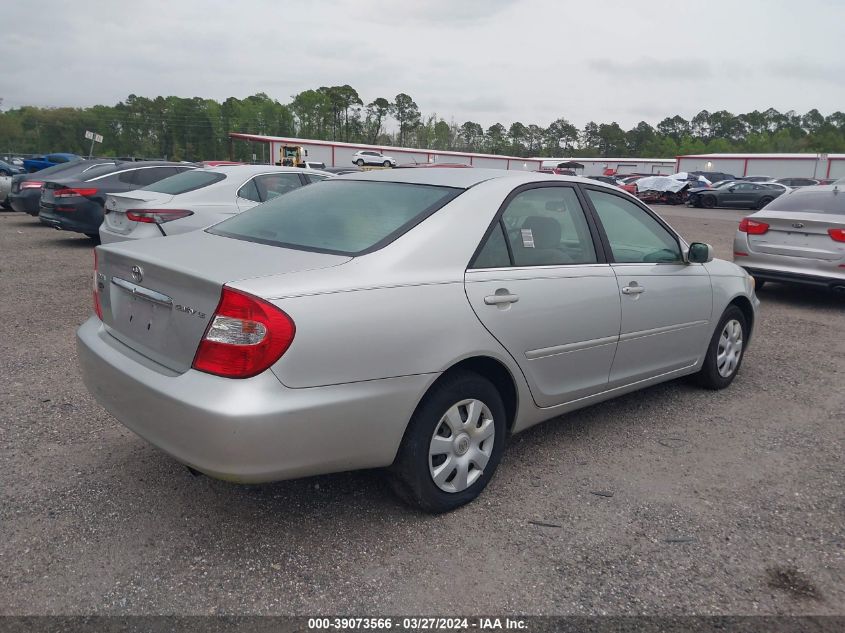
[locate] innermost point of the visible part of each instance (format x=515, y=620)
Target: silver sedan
x=798, y=238
x=409, y=319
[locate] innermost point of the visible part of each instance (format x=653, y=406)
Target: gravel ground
x=668, y=501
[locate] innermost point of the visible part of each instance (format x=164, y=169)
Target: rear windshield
x=189, y=180
x=810, y=201
x=345, y=217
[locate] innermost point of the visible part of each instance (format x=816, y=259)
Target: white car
x=196, y=199
x=372, y=157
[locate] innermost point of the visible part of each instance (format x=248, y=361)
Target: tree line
x=197, y=129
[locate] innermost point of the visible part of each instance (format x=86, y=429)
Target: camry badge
x=138, y=274
x=797, y=225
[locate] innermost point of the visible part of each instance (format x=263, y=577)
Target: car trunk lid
x=158, y=296
x=799, y=235
x=118, y=204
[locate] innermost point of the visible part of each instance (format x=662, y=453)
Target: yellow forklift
x=292, y=156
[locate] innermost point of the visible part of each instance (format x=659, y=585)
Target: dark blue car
x=37, y=163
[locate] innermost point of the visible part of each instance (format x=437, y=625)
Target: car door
x=666, y=303
x=735, y=195
x=540, y=284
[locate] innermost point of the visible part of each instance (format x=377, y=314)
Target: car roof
x=462, y=178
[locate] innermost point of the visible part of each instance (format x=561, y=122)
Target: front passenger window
x=634, y=236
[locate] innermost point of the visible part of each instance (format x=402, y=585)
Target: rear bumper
x=782, y=268
x=251, y=430
x=86, y=218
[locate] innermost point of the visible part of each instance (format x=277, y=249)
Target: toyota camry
x=410, y=319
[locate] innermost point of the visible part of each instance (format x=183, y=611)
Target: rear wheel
x=725, y=352
x=708, y=202
x=453, y=444
x=360, y=162
x=762, y=202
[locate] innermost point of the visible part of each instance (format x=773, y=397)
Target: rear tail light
x=157, y=216
x=838, y=235
x=752, y=227
x=98, y=309
x=72, y=192
x=31, y=184
x=246, y=336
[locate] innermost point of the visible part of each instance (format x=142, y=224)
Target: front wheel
x=708, y=202
x=452, y=446
x=386, y=163
x=725, y=352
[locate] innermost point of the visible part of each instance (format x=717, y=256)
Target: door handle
x=500, y=298
x=633, y=289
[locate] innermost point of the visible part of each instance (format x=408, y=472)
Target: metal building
x=337, y=154
x=774, y=165
x=616, y=166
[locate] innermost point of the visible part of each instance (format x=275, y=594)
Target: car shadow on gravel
x=804, y=296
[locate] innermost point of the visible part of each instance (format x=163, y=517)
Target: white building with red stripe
x=774, y=165
x=337, y=154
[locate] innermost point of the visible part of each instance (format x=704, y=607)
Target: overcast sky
x=480, y=60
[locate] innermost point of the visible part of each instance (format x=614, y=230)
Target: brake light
x=157, y=216
x=32, y=184
x=838, y=235
x=72, y=192
x=752, y=227
x=98, y=309
x=245, y=336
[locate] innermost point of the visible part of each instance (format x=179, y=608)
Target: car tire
x=386, y=163
x=444, y=421
x=360, y=162
x=708, y=202
x=718, y=373
x=762, y=202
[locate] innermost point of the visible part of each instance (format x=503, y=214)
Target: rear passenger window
x=494, y=254
x=634, y=236
x=249, y=191
x=546, y=227
x=148, y=176
x=273, y=185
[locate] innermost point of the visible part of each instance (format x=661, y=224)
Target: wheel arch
x=744, y=304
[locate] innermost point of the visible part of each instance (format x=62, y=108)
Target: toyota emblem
x=137, y=274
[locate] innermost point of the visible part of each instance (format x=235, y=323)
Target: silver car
x=196, y=199
x=411, y=320
x=799, y=238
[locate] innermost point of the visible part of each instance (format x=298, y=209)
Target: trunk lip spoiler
x=144, y=293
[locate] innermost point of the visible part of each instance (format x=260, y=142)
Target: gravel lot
x=709, y=503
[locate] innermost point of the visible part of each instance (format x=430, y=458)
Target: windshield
x=346, y=217
x=826, y=200
x=189, y=180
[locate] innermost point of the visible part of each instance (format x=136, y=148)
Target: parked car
x=5, y=187
x=798, y=182
x=25, y=195
x=341, y=170
x=196, y=199
x=827, y=181
x=608, y=180
x=7, y=169
x=714, y=176
x=37, y=163
x=311, y=164
x=407, y=319
x=799, y=238
x=75, y=203
x=370, y=157
x=745, y=195
x=757, y=178
x=629, y=184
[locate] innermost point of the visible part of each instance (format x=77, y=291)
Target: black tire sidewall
x=412, y=463
x=709, y=375
x=708, y=202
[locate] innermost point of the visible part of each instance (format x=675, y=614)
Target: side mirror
x=699, y=253
x=731, y=188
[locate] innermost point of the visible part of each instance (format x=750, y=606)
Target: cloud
x=652, y=69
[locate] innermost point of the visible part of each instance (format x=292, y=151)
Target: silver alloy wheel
x=461, y=445
x=729, y=350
